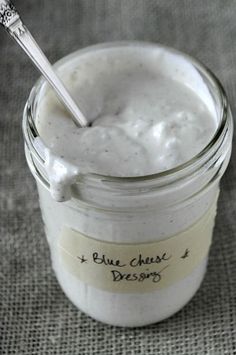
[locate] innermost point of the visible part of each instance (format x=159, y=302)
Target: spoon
x=13, y=24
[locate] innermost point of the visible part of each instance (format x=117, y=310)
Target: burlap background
x=35, y=316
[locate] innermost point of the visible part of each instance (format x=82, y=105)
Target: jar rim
x=30, y=131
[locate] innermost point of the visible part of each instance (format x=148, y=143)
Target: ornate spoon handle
x=13, y=24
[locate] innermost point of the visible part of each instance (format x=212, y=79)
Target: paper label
x=136, y=268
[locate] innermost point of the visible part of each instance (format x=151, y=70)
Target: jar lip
x=30, y=128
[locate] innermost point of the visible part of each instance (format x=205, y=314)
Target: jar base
x=131, y=310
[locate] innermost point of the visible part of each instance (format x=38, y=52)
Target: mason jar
x=133, y=251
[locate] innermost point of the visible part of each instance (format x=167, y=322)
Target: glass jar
x=133, y=251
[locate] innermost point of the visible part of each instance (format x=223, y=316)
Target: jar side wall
x=124, y=227
x=127, y=227
x=127, y=309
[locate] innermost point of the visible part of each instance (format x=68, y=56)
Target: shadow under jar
x=133, y=251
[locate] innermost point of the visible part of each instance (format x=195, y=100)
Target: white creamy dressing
x=151, y=111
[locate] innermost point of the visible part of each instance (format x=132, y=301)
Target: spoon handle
x=13, y=24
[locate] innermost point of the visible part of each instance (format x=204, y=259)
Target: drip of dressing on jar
x=150, y=108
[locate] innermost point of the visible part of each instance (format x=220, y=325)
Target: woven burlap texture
x=35, y=316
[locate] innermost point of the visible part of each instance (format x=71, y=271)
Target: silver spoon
x=13, y=24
